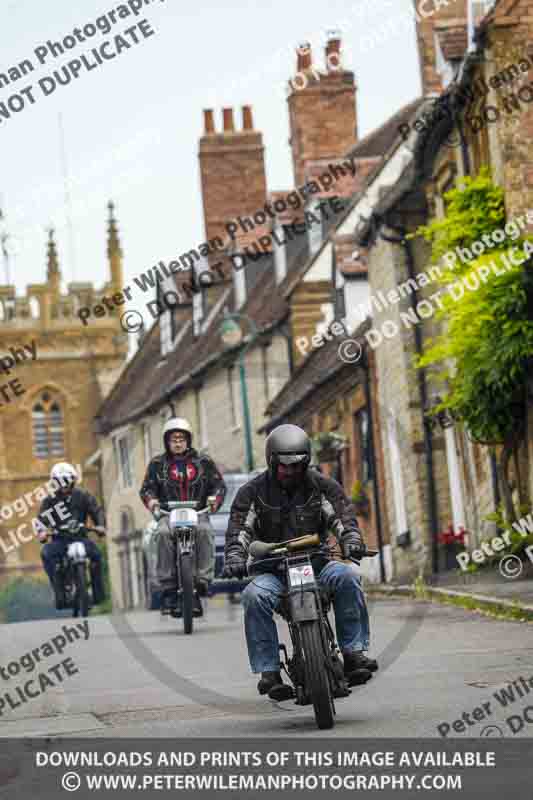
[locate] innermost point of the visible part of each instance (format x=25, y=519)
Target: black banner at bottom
x=208, y=768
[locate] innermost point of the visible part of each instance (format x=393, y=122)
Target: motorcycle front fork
x=294, y=667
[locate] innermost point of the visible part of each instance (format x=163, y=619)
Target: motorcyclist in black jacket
x=285, y=501
x=66, y=504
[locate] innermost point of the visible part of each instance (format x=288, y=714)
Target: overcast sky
x=132, y=125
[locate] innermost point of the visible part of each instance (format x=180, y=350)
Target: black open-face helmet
x=287, y=444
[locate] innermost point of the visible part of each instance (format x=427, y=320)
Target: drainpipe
x=368, y=402
x=422, y=390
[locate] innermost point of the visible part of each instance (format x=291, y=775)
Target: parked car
x=219, y=521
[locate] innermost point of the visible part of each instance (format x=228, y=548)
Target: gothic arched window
x=48, y=429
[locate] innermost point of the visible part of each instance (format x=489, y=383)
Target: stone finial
x=113, y=242
x=114, y=250
x=52, y=273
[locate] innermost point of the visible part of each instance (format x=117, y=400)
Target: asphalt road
x=139, y=675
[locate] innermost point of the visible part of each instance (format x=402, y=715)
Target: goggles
x=291, y=459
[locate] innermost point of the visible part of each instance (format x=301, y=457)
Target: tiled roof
x=377, y=143
x=149, y=380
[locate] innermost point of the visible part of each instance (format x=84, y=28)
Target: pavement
x=137, y=674
x=487, y=588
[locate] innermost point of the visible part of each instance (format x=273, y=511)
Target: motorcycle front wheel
x=316, y=674
x=187, y=588
x=81, y=594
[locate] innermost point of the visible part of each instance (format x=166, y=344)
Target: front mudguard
x=303, y=605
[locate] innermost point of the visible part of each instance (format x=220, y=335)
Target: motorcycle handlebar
x=73, y=532
x=165, y=513
x=259, y=550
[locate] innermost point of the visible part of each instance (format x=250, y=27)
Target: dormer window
x=198, y=298
x=167, y=338
x=167, y=322
x=314, y=229
x=280, y=255
x=197, y=312
x=239, y=282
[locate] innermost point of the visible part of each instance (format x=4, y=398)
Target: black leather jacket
x=197, y=480
x=262, y=510
x=78, y=506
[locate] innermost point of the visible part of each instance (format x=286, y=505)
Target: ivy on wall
x=483, y=356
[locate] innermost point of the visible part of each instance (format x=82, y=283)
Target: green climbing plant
x=482, y=357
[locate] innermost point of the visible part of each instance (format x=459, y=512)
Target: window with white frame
x=123, y=458
x=397, y=474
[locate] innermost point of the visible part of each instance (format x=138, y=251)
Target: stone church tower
x=63, y=371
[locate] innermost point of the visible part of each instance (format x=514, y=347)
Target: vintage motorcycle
x=183, y=521
x=315, y=668
x=71, y=578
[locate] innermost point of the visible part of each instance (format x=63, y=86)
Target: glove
x=351, y=544
x=235, y=566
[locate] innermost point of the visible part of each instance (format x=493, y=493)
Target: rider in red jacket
x=180, y=473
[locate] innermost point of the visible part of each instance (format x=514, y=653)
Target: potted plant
x=327, y=446
x=454, y=541
x=360, y=500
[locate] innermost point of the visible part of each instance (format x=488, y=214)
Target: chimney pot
x=333, y=48
x=228, y=120
x=209, y=122
x=247, y=119
x=304, y=56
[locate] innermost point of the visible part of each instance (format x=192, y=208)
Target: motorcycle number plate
x=183, y=516
x=303, y=574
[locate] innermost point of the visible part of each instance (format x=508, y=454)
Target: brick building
x=436, y=475
x=182, y=366
x=52, y=418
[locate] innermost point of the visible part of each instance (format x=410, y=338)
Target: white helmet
x=177, y=424
x=64, y=474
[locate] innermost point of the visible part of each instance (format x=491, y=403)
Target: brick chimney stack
x=232, y=170
x=322, y=113
x=452, y=18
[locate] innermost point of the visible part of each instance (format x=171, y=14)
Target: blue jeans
x=262, y=597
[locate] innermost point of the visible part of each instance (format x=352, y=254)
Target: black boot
x=169, y=602
x=272, y=685
x=355, y=672
x=97, y=584
x=197, y=609
x=368, y=663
